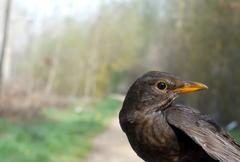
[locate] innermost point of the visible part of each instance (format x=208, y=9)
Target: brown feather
x=205, y=132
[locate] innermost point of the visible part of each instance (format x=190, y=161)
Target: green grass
x=61, y=136
x=236, y=135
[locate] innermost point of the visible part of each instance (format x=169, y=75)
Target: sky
x=82, y=9
x=44, y=13
x=37, y=15
x=40, y=14
x=41, y=9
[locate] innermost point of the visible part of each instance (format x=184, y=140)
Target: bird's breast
x=155, y=131
x=153, y=136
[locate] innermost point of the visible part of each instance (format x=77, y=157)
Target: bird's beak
x=188, y=86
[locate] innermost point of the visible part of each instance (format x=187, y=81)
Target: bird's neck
x=135, y=113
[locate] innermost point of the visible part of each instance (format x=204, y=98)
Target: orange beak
x=190, y=87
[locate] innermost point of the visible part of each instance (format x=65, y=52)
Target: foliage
x=196, y=40
x=62, y=136
x=236, y=135
x=207, y=50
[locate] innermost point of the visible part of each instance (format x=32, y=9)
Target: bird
x=160, y=130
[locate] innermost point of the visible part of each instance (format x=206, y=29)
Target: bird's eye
x=162, y=85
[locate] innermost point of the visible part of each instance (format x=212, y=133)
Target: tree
x=4, y=39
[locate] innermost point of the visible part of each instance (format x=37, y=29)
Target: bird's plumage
x=205, y=132
x=159, y=131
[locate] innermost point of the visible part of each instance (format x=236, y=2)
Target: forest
x=58, y=62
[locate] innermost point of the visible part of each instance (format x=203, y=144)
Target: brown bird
x=160, y=131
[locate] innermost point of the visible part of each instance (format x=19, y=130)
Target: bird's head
x=157, y=90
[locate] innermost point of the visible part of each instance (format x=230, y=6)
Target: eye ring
x=161, y=85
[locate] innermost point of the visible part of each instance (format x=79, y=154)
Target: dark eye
x=162, y=85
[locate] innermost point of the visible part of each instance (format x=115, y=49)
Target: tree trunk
x=4, y=39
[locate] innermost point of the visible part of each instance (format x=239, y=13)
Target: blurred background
x=65, y=66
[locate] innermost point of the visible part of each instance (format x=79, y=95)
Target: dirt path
x=112, y=146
